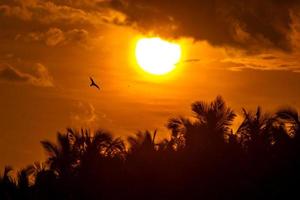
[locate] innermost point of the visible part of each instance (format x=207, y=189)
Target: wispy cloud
x=273, y=61
x=57, y=37
x=40, y=78
x=83, y=115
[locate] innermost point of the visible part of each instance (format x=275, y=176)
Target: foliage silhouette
x=202, y=158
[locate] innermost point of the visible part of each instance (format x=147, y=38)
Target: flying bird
x=93, y=84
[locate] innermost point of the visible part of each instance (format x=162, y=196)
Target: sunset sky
x=246, y=51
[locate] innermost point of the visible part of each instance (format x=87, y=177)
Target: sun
x=157, y=56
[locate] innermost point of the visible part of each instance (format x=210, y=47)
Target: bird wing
x=91, y=79
x=97, y=86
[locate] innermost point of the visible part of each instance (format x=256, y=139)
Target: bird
x=93, y=84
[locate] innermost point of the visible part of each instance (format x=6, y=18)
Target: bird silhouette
x=93, y=84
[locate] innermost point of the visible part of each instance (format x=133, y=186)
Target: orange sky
x=48, y=50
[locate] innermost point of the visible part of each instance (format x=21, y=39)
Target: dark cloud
x=55, y=22
x=40, y=78
x=9, y=73
x=251, y=25
x=244, y=24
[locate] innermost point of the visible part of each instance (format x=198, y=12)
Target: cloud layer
x=243, y=24
x=246, y=28
x=235, y=23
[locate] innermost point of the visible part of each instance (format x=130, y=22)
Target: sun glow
x=157, y=56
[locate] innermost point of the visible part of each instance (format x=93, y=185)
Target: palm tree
x=24, y=182
x=100, y=156
x=23, y=177
x=8, y=187
x=6, y=179
x=46, y=185
x=178, y=127
x=291, y=119
x=291, y=122
x=142, y=142
x=101, y=144
x=254, y=131
x=212, y=123
x=63, y=156
x=215, y=115
x=142, y=150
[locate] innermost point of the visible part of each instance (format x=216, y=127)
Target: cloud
x=58, y=12
x=243, y=28
x=249, y=25
x=43, y=77
x=9, y=73
x=241, y=24
x=57, y=37
x=40, y=78
x=79, y=36
x=53, y=37
x=283, y=62
x=83, y=114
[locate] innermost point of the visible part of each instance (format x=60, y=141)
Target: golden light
x=157, y=56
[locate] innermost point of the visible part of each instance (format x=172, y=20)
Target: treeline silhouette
x=202, y=159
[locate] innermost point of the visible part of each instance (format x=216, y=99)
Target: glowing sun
x=157, y=56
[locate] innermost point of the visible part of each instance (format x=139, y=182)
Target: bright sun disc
x=157, y=56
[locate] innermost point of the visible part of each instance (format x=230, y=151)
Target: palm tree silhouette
x=142, y=141
x=8, y=187
x=216, y=115
x=178, y=128
x=101, y=143
x=63, y=156
x=291, y=118
x=23, y=180
x=6, y=179
x=212, y=124
x=255, y=131
x=201, y=158
x=290, y=148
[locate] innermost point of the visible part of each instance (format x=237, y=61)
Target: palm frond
x=50, y=148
